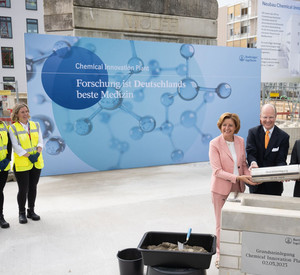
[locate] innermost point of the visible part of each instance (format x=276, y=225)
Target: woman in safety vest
x=27, y=142
x=5, y=157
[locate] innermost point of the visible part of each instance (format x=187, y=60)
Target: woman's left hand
x=247, y=179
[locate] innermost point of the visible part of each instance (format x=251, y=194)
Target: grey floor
x=87, y=218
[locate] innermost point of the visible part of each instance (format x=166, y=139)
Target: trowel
x=181, y=245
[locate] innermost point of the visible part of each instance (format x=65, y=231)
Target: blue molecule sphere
x=223, y=90
x=209, y=97
x=83, y=126
x=91, y=47
x=68, y=127
x=111, y=100
x=167, y=128
x=55, y=146
x=136, y=133
x=138, y=95
x=188, y=119
x=104, y=117
x=206, y=138
x=46, y=124
x=62, y=48
x=136, y=65
x=177, y=155
x=181, y=69
x=167, y=99
x=147, y=124
x=39, y=99
x=154, y=68
x=188, y=90
x=187, y=51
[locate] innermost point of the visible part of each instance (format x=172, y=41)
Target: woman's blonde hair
x=16, y=109
x=232, y=116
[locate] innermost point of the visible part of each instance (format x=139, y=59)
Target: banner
x=279, y=40
x=110, y=104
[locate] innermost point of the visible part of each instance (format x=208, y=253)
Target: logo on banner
x=248, y=58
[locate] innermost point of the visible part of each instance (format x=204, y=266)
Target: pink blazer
x=222, y=164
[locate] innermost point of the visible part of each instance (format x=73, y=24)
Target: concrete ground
x=87, y=218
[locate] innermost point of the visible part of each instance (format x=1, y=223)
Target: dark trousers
x=27, y=183
x=267, y=188
x=297, y=189
x=3, y=179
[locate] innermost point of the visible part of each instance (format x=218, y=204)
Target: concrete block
x=125, y=21
x=229, y=271
x=230, y=249
x=264, y=215
x=58, y=6
x=58, y=22
x=192, y=8
x=229, y=262
x=230, y=236
x=142, y=37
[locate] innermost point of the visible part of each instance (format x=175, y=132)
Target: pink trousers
x=218, y=201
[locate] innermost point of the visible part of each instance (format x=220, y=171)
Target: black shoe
x=3, y=223
x=22, y=218
x=32, y=215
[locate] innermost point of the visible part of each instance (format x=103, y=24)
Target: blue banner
x=111, y=104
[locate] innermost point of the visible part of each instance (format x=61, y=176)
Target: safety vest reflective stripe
x=17, y=133
x=4, y=147
x=30, y=149
x=4, y=129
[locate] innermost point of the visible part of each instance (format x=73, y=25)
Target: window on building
x=32, y=26
x=8, y=83
x=31, y=4
x=244, y=29
x=7, y=57
x=244, y=11
x=5, y=27
x=5, y=3
x=231, y=32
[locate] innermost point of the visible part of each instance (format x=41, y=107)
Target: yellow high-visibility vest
x=29, y=143
x=3, y=143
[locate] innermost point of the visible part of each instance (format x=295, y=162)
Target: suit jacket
x=274, y=155
x=223, y=165
x=295, y=159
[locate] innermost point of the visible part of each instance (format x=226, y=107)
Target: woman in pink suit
x=229, y=167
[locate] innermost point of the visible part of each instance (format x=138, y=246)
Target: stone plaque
x=267, y=254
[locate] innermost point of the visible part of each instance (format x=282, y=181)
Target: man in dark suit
x=267, y=145
x=295, y=159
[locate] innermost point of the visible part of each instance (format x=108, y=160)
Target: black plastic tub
x=177, y=258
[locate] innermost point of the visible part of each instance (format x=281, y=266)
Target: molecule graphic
x=55, y=144
x=60, y=47
x=110, y=107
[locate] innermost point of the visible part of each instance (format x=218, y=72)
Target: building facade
x=239, y=23
x=16, y=18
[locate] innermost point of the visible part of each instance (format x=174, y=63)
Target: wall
x=169, y=20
